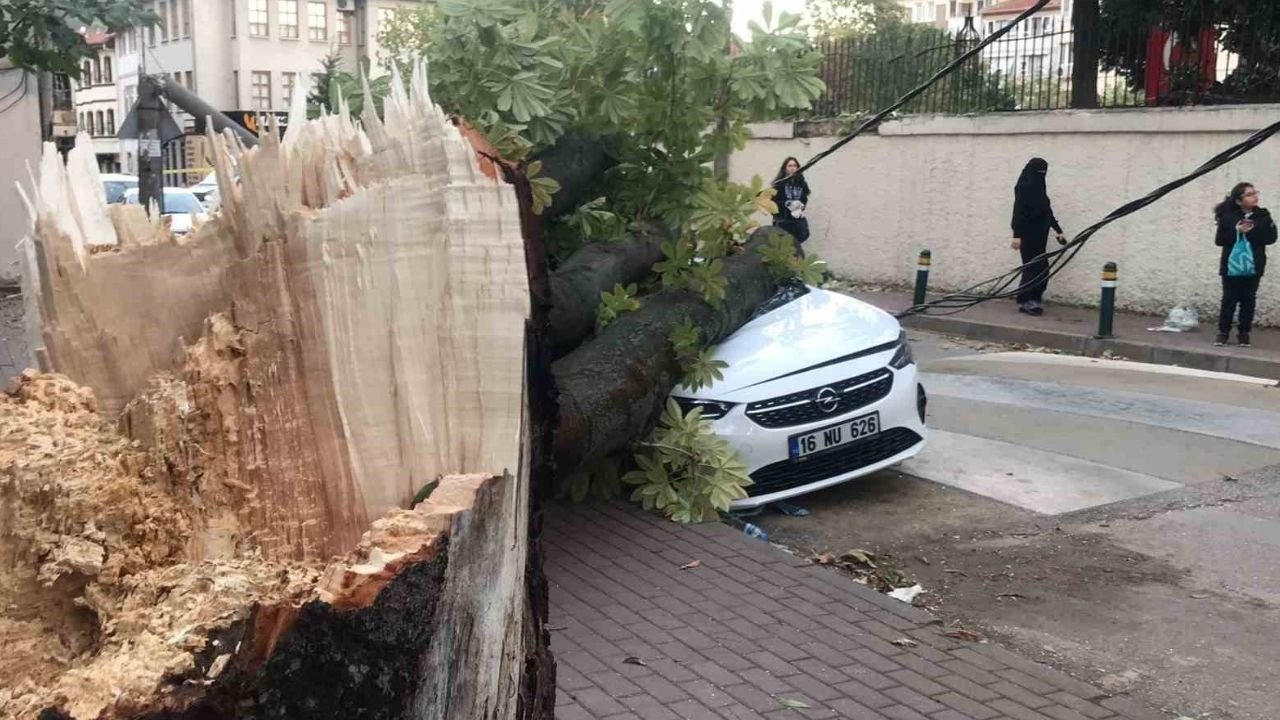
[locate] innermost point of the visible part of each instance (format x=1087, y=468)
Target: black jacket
x=1262, y=235
x=1032, y=211
x=793, y=188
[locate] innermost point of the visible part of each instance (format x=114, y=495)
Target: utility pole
x=149, y=112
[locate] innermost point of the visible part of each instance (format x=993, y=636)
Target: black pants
x=1242, y=291
x=1035, y=277
x=798, y=227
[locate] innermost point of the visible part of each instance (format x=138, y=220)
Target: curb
x=1096, y=347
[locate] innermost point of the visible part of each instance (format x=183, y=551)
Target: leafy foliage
x=656, y=74
x=541, y=186
x=335, y=86
x=612, y=304
x=784, y=263
x=697, y=363
x=43, y=35
x=687, y=472
x=840, y=18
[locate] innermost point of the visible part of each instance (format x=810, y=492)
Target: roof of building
x=1014, y=7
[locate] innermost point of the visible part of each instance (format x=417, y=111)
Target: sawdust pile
x=100, y=600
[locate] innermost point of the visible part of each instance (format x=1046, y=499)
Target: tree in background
x=874, y=56
x=1250, y=30
x=44, y=35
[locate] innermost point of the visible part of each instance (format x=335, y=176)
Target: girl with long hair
x=792, y=197
x=1244, y=231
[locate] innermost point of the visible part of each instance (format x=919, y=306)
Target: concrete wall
x=946, y=183
x=20, y=128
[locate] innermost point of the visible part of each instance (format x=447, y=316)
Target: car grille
x=794, y=473
x=804, y=407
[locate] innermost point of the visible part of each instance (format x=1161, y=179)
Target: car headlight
x=903, y=357
x=711, y=409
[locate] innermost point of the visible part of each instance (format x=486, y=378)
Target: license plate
x=863, y=426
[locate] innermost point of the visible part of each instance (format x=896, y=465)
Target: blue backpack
x=1240, y=261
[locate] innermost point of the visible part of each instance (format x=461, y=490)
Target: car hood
x=816, y=328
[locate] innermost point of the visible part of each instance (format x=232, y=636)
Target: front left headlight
x=903, y=357
x=711, y=409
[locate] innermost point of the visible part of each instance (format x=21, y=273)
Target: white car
x=114, y=186
x=181, y=208
x=819, y=391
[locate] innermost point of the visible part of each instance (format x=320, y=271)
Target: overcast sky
x=744, y=11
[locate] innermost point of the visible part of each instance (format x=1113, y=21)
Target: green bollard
x=922, y=276
x=1107, y=309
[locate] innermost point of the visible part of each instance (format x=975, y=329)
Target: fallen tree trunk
x=576, y=285
x=613, y=387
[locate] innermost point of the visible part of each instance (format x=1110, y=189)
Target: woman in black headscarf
x=1032, y=220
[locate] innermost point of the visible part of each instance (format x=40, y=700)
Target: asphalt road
x=1118, y=521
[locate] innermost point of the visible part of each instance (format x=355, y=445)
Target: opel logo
x=827, y=400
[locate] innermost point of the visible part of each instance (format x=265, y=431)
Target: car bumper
x=765, y=451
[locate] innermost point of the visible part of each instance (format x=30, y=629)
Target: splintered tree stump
x=614, y=386
x=207, y=512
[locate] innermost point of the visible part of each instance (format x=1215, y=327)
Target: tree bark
x=576, y=285
x=577, y=161
x=613, y=388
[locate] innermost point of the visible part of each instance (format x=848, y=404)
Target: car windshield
x=175, y=202
x=115, y=189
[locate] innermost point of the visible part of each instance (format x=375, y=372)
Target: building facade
x=98, y=108
x=1039, y=47
x=244, y=55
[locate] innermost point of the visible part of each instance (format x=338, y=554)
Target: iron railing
x=1034, y=67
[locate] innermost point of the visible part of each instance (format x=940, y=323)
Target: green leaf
x=793, y=704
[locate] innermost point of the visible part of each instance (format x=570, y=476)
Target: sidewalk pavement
x=1073, y=329
x=753, y=632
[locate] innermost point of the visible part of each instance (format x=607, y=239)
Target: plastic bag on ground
x=1183, y=318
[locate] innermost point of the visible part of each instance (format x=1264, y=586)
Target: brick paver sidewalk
x=753, y=632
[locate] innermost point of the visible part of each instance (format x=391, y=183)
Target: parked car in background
x=115, y=185
x=181, y=208
x=206, y=190
x=820, y=389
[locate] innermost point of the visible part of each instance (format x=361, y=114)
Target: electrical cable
x=920, y=89
x=22, y=86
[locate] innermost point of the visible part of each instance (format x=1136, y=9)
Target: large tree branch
x=613, y=387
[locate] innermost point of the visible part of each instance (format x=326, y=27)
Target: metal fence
x=1040, y=67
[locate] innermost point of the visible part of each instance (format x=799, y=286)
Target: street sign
x=255, y=121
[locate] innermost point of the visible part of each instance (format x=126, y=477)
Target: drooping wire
x=915, y=92
x=998, y=287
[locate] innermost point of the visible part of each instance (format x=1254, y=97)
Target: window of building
x=100, y=124
x=288, y=82
x=258, y=18
x=288, y=19
x=186, y=18
x=82, y=121
x=175, y=22
x=191, y=85
x=111, y=122
x=317, y=21
x=345, y=23
x=261, y=90
x=86, y=75
x=106, y=71
x=163, y=21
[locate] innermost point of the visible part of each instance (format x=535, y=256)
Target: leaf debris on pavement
x=793, y=704
x=635, y=661
x=906, y=643
x=691, y=565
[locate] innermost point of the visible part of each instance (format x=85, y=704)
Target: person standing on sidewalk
x=1032, y=219
x=1244, y=232
x=791, y=198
